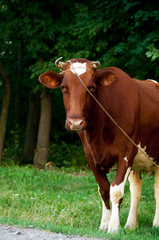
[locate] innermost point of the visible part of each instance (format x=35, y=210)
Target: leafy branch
x=153, y=53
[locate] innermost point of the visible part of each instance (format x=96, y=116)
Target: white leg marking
x=156, y=188
x=106, y=213
x=135, y=189
x=114, y=220
x=116, y=193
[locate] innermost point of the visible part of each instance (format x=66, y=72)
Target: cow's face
x=77, y=101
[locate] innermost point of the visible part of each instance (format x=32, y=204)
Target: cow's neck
x=99, y=143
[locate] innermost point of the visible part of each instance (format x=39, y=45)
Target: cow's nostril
x=75, y=122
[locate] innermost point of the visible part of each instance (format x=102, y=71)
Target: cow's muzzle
x=75, y=124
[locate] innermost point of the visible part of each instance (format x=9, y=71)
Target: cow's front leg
x=106, y=214
x=117, y=193
x=104, y=188
x=102, y=181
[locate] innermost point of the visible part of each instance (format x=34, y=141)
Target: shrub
x=67, y=155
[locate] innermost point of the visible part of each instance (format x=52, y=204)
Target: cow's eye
x=92, y=88
x=64, y=89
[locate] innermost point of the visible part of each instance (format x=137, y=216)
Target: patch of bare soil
x=18, y=233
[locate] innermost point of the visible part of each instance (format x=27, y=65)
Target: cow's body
x=134, y=105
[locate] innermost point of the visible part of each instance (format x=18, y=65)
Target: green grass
x=67, y=202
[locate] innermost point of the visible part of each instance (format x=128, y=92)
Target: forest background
x=33, y=34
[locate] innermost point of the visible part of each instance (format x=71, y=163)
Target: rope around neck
x=112, y=119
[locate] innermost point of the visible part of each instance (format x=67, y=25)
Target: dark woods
x=32, y=36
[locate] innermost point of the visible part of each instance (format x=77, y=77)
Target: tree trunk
x=5, y=108
x=32, y=127
x=42, y=148
x=18, y=83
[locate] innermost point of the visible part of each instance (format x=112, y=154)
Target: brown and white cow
x=134, y=105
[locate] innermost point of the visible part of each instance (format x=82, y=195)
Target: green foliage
x=13, y=150
x=67, y=155
x=116, y=33
x=68, y=202
x=40, y=67
x=120, y=34
x=153, y=53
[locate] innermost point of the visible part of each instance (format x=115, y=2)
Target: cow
x=134, y=105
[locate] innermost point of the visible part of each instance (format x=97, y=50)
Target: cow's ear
x=51, y=79
x=107, y=78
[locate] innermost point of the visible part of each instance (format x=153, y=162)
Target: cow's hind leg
x=156, y=188
x=135, y=189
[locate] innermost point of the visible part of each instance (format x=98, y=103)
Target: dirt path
x=17, y=233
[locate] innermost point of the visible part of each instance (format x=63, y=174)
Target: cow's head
x=77, y=100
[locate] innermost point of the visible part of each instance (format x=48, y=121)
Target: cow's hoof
x=156, y=225
x=113, y=229
x=103, y=227
x=131, y=225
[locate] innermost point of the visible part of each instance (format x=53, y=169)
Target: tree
x=116, y=33
x=18, y=83
x=5, y=107
x=34, y=30
x=42, y=148
x=32, y=126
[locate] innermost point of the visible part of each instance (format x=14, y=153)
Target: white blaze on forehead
x=78, y=68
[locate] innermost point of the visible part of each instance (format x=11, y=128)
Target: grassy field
x=66, y=201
